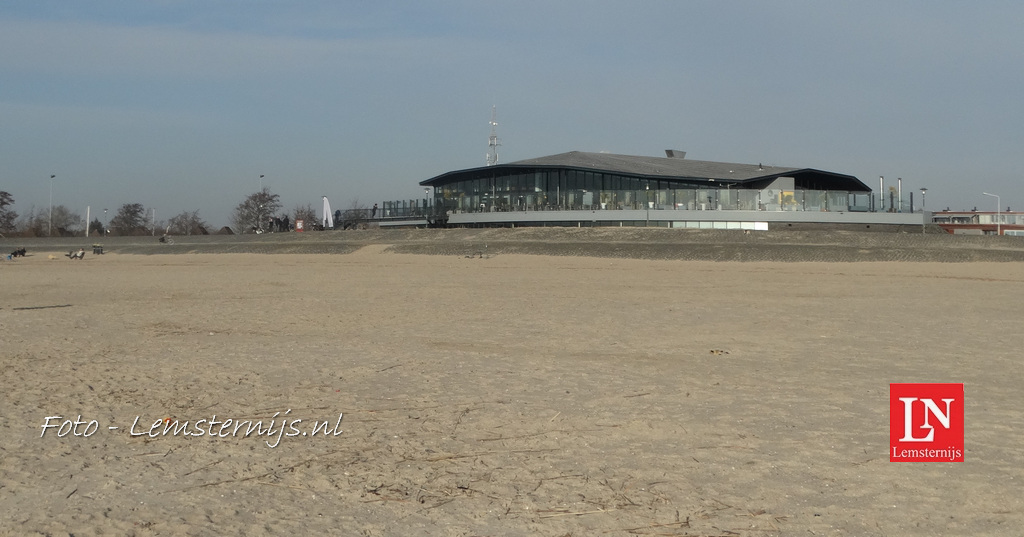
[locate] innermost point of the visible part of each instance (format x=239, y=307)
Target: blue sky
x=182, y=105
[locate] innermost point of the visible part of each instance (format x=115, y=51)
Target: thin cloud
x=95, y=50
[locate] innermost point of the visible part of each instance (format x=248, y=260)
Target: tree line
x=258, y=212
x=60, y=221
x=261, y=212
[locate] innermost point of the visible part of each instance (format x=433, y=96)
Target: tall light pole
x=998, y=214
x=647, y=202
x=259, y=212
x=881, y=199
x=49, y=225
x=106, y=224
x=923, y=210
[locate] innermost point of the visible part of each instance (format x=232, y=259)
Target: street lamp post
x=998, y=214
x=106, y=223
x=49, y=225
x=923, y=191
x=647, y=203
x=259, y=211
x=881, y=200
x=426, y=200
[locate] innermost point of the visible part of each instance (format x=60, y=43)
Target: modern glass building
x=601, y=181
x=602, y=189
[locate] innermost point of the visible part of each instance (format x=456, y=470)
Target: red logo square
x=926, y=422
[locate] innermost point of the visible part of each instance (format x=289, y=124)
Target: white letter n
x=929, y=406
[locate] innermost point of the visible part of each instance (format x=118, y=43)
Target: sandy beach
x=503, y=395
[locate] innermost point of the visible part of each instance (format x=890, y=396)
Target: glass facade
x=511, y=189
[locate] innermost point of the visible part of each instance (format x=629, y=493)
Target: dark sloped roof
x=668, y=168
x=656, y=166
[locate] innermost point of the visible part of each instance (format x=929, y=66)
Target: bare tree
x=356, y=216
x=187, y=223
x=32, y=224
x=251, y=215
x=130, y=220
x=7, y=215
x=305, y=213
x=65, y=222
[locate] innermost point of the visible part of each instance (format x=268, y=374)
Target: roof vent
x=675, y=153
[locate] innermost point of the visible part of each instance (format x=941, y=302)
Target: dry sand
x=511, y=395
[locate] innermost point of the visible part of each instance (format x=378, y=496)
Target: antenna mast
x=492, y=142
